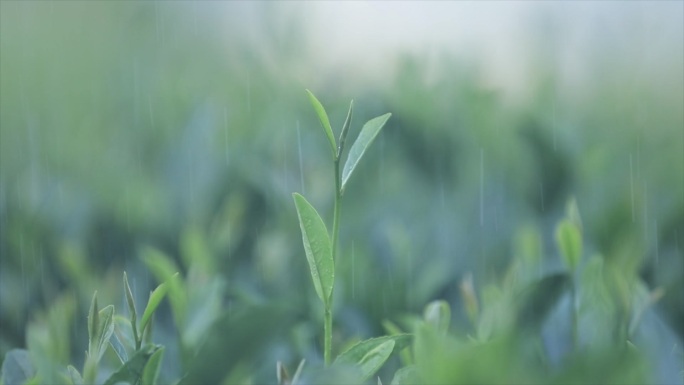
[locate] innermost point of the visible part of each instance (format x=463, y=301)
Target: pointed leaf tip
x=325, y=122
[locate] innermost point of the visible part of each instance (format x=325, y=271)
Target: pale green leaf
x=317, y=247
x=405, y=376
x=367, y=357
x=438, y=314
x=93, y=323
x=155, y=299
x=106, y=328
x=164, y=269
x=17, y=367
x=152, y=368
x=569, y=241
x=325, y=122
x=75, y=375
x=368, y=133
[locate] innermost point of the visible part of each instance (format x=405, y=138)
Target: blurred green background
x=184, y=126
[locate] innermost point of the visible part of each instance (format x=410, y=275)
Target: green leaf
x=369, y=355
x=163, y=269
x=131, y=303
x=298, y=372
x=345, y=129
x=438, y=314
x=569, y=241
x=537, y=300
x=132, y=370
x=155, y=299
x=75, y=376
x=369, y=359
x=325, y=122
x=406, y=375
x=106, y=328
x=152, y=368
x=93, y=323
x=368, y=133
x=17, y=367
x=317, y=247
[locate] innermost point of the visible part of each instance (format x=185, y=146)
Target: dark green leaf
x=368, y=133
x=325, y=122
x=317, y=247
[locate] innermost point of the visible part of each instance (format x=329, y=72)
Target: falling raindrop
x=553, y=126
x=225, y=131
x=481, y=187
x=541, y=195
x=657, y=256
x=150, y=111
x=353, y=272
x=301, y=162
x=645, y=214
x=631, y=183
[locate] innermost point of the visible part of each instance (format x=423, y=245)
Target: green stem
x=573, y=302
x=327, y=329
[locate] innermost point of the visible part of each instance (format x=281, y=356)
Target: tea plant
x=321, y=252
x=140, y=359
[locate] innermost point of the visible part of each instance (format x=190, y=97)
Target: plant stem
x=327, y=330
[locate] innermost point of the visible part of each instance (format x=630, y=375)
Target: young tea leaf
x=345, y=129
x=165, y=271
x=152, y=368
x=317, y=247
x=131, y=303
x=405, y=376
x=368, y=357
x=325, y=122
x=298, y=372
x=155, y=299
x=106, y=328
x=569, y=241
x=368, y=133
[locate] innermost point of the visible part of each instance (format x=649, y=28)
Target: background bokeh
x=184, y=126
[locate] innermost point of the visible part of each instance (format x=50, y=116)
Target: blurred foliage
x=159, y=137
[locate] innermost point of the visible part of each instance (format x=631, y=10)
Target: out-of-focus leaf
x=368, y=133
x=325, y=122
x=234, y=338
x=406, y=375
x=164, y=269
x=132, y=370
x=438, y=314
x=75, y=375
x=17, y=367
x=569, y=241
x=317, y=247
x=537, y=300
x=152, y=368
